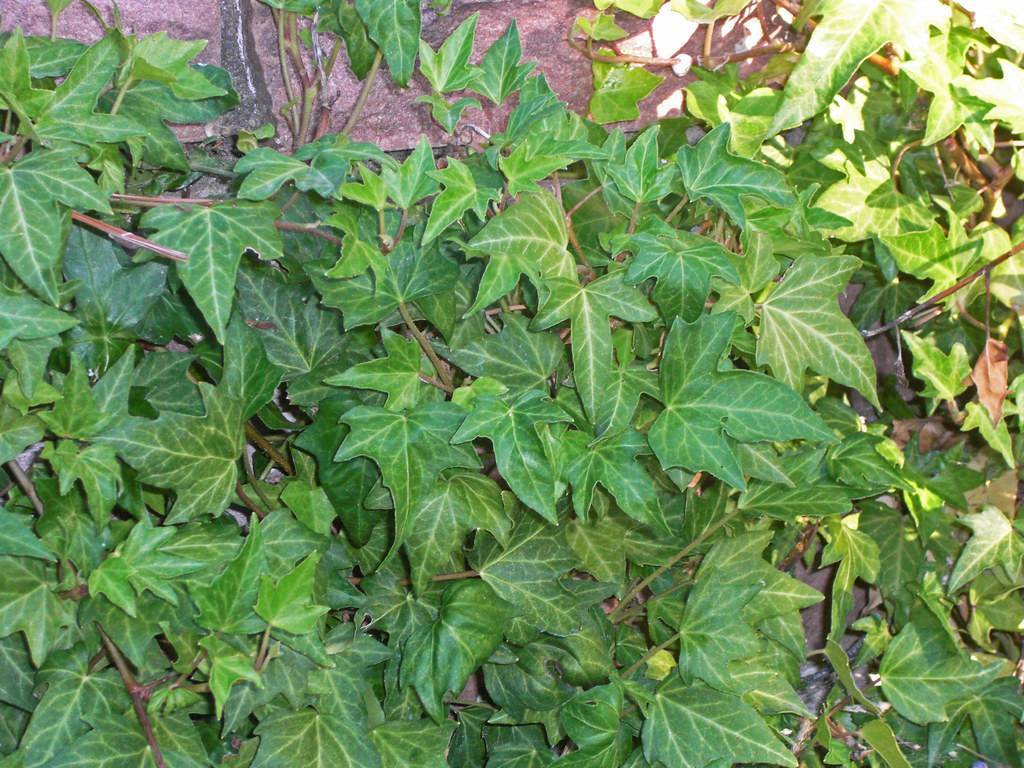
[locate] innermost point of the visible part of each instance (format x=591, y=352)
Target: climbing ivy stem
x=677, y=209
x=586, y=268
x=289, y=111
x=255, y=508
x=257, y=439
x=25, y=483
x=261, y=655
x=583, y=201
x=634, y=218
x=119, y=99
x=442, y=370
x=646, y=582
x=651, y=653
x=138, y=693
x=364, y=95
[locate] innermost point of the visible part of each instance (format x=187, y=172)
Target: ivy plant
x=695, y=445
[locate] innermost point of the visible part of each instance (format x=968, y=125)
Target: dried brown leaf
x=990, y=377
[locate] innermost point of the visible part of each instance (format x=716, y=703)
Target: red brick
x=392, y=118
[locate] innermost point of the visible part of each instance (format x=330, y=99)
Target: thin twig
x=509, y=308
x=119, y=99
x=424, y=342
x=79, y=592
x=651, y=653
x=149, y=201
x=403, y=222
x=588, y=271
x=993, y=191
x=146, y=201
x=435, y=383
x=709, y=36
x=184, y=676
x=25, y=483
x=324, y=122
x=307, y=229
x=364, y=95
x=357, y=580
x=289, y=111
x=261, y=655
x=752, y=53
x=804, y=541
x=619, y=58
x=140, y=694
x=292, y=41
x=14, y=146
x=128, y=239
x=254, y=483
x=899, y=159
x=677, y=209
x=878, y=60
x=247, y=500
x=633, y=218
x=257, y=439
x=644, y=583
x=583, y=201
x=942, y=295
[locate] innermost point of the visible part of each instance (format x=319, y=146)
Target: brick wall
x=242, y=38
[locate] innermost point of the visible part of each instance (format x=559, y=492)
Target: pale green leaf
x=993, y=543
x=517, y=429
x=921, y=674
x=226, y=603
x=706, y=408
x=310, y=738
x=460, y=194
x=588, y=309
x=397, y=374
x=849, y=32
x=528, y=238
x=694, y=726
x=526, y=573
x=394, y=25
x=195, y=456
x=501, y=74
x=288, y=603
x=617, y=90
x=711, y=171
x=29, y=604
x=460, y=502
x=215, y=237
x=440, y=657
x=411, y=448
x=803, y=327
x=413, y=742
x=33, y=224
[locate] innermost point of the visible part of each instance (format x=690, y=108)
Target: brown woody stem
x=308, y=229
x=257, y=439
x=424, y=342
x=619, y=58
x=942, y=295
x=651, y=653
x=25, y=483
x=128, y=239
x=247, y=500
x=140, y=694
x=583, y=201
x=646, y=582
x=357, y=580
x=261, y=655
x=364, y=95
